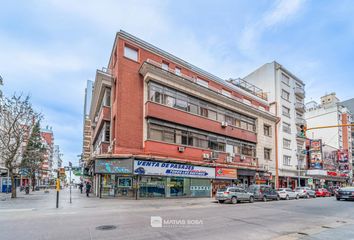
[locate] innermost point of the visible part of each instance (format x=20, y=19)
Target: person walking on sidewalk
x=81, y=186
x=88, y=189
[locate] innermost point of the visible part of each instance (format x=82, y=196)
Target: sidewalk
x=39, y=200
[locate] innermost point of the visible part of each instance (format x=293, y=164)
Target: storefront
x=246, y=176
x=165, y=179
x=224, y=177
x=114, y=178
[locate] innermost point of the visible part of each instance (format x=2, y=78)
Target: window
x=202, y=82
x=193, y=108
x=164, y=66
x=285, y=79
x=246, y=101
x=286, y=143
x=267, y=130
x=204, y=111
x=286, y=127
x=285, y=95
x=229, y=120
x=131, y=53
x=286, y=160
x=286, y=111
x=267, y=152
x=107, y=133
x=226, y=93
x=178, y=71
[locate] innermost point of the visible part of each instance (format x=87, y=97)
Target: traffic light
x=303, y=131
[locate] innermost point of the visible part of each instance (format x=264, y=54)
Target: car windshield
x=222, y=189
x=281, y=189
x=298, y=189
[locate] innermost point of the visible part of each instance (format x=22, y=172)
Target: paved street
x=34, y=217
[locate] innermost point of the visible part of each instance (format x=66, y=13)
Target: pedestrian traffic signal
x=303, y=131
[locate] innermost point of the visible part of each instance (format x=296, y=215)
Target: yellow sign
x=62, y=171
x=58, y=185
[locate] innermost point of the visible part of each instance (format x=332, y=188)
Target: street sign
x=310, y=181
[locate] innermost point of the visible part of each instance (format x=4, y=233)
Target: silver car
x=234, y=195
x=305, y=192
x=287, y=193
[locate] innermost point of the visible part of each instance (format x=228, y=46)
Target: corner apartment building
x=46, y=173
x=286, y=95
x=349, y=104
x=163, y=127
x=86, y=149
x=331, y=112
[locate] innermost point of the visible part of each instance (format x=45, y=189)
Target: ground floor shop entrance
x=116, y=186
x=171, y=187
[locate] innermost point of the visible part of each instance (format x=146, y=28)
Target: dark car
x=264, y=192
x=346, y=193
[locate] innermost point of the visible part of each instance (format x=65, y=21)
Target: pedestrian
x=81, y=186
x=88, y=189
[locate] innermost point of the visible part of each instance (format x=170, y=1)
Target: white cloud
x=282, y=12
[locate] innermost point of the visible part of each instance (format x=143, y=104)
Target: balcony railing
x=300, y=106
x=194, y=80
x=300, y=91
x=300, y=121
x=248, y=87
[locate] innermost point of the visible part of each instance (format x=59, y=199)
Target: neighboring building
x=57, y=161
x=86, y=145
x=286, y=95
x=349, y=104
x=165, y=128
x=46, y=174
x=331, y=112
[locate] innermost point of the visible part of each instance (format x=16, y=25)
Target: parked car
x=322, y=192
x=346, y=193
x=263, y=192
x=287, y=193
x=305, y=192
x=233, y=195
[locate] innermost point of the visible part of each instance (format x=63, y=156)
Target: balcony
x=248, y=87
x=300, y=92
x=300, y=107
x=152, y=69
x=159, y=111
x=300, y=121
x=103, y=116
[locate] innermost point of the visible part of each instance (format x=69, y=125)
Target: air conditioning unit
x=224, y=124
x=206, y=156
x=243, y=158
x=229, y=159
x=181, y=149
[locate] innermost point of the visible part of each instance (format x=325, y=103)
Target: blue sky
x=49, y=49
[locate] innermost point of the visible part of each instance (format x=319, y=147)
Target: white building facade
x=286, y=95
x=331, y=112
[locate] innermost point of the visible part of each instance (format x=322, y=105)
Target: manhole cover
x=106, y=227
x=301, y=233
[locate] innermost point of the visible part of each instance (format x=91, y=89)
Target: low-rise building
x=162, y=127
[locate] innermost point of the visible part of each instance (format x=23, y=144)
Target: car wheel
x=287, y=197
x=297, y=197
x=233, y=200
x=221, y=201
x=278, y=198
x=264, y=198
x=251, y=199
x=338, y=199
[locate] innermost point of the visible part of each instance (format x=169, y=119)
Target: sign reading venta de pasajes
x=172, y=169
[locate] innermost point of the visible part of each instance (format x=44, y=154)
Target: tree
x=17, y=118
x=33, y=156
